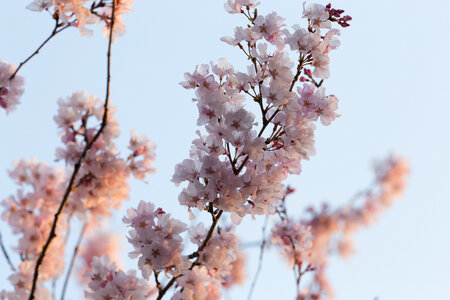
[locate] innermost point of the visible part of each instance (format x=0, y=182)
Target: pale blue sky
x=390, y=74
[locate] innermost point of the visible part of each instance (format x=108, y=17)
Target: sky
x=390, y=74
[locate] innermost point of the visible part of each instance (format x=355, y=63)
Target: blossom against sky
x=390, y=75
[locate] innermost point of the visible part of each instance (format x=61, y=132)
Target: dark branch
x=77, y=166
x=57, y=29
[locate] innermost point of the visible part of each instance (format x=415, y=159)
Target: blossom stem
x=78, y=164
x=299, y=71
x=72, y=260
x=5, y=253
x=54, y=32
x=158, y=283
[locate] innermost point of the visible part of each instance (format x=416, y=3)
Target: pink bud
x=308, y=73
x=3, y=91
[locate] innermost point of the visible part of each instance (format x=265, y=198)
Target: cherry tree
x=257, y=125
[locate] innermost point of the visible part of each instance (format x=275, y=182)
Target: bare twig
x=72, y=260
x=5, y=253
x=57, y=29
x=77, y=166
x=261, y=256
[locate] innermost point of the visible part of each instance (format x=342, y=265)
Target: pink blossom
x=235, y=6
x=156, y=239
x=10, y=89
x=106, y=282
x=97, y=245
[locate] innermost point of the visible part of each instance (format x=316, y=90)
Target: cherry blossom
x=246, y=176
x=106, y=282
x=103, y=179
x=156, y=239
x=21, y=281
x=80, y=13
x=10, y=88
x=333, y=230
x=294, y=239
x=257, y=126
x=97, y=245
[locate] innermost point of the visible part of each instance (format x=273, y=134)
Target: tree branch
x=5, y=253
x=77, y=166
x=261, y=256
x=54, y=32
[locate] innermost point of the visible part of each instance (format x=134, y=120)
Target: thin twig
x=158, y=284
x=297, y=278
x=72, y=260
x=299, y=71
x=77, y=166
x=5, y=253
x=261, y=256
x=54, y=32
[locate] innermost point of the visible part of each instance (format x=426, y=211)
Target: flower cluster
x=216, y=269
x=236, y=165
x=237, y=274
x=101, y=182
x=11, y=88
x=197, y=284
x=333, y=230
x=142, y=157
x=102, y=179
x=79, y=13
x=156, y=239
x=21, y=281
x=294, y=239
x=30, y=214
x=96, y=245
x=220, y=253
x=109, y=283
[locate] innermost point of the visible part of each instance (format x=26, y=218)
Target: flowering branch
x=215, y=220
x=77, y=166
x=237, y=165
